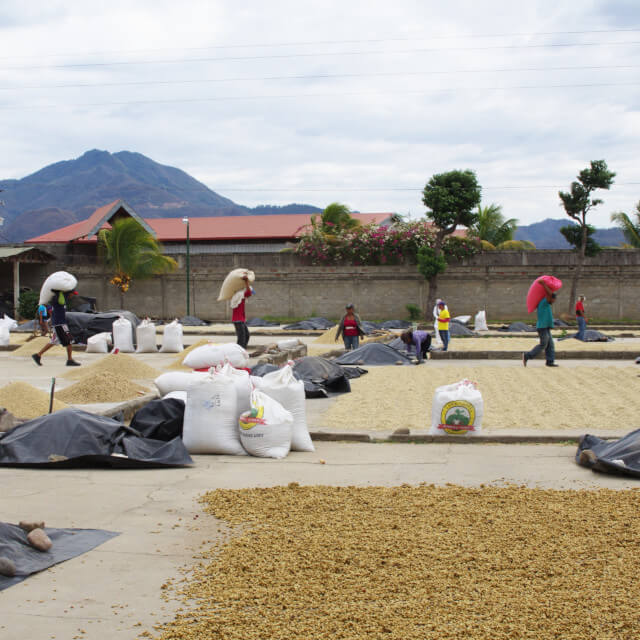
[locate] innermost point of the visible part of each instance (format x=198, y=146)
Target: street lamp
x=186, y=221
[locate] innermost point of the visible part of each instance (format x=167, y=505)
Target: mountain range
x=71, y=190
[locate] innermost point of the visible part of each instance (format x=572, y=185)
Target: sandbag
x=480, y=321
x=172, y=338
x=242, y=384
x=457, y=409
x=213, y=355
x=286, y=389
x=58, y=281
x=234, y=282
x=99, y=343
x=536, y=290
x=288, y=343
x=4, y=336
x=146, y=337
x=178, y=380
x=122, y=336
x=265, y=431
x=210, y=417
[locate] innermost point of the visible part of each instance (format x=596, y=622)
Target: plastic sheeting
x=192, y=321
x=616, y=457
x=71, y=437
x=311, y=323
x=374, y=353
x=261, y=322
x=457, y=329
x=84, y=325
x=160, y=419
x=517, y=327
x=67, y=544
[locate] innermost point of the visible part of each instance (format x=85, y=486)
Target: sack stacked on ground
x=99, y=343
x=146, y=337
x=122, y=336
x=58, y=281
x=178, y=380
x=172, y=338
x=211, y=418
x=234, y=282
x=265, y=430
x=480, y=321
x=214, y=355
x=6, y=325
x=242, y=383
x=286, y=389
x=457, y=409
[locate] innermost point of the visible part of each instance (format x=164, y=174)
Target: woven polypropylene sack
x=214, y=355
x=172, y=338
x=122, y=336
x=146, y=337
x=457, y=409
x=58, y=281
x=234, y=282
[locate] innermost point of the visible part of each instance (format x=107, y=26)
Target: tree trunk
x=578, y=273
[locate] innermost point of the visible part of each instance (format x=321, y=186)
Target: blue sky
x=357, y=102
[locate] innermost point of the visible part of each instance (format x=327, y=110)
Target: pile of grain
x=120, y=364
x=514, y=397
x=34, y=346
x=416, y=563
x=328, y=336
x=101, y=387
x=25, y=401
x=177, y=361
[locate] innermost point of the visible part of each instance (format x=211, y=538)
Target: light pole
x=186, y=221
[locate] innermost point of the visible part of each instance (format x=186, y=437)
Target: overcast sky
x=357, y=101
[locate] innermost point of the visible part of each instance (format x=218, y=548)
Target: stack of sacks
x=172, y=338
x=178, y=381
x=214, y=355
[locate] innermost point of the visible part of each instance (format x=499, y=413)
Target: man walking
x=238, y=315
x=544, y=326
x=61, y=334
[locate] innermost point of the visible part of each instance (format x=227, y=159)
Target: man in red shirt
x=238, y=316
x=580, y=318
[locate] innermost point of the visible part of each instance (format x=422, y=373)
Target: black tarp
x=611, y=456
x=395, y=324
x=67, y=544
x=458, y=329
x=261, y=322
x=192, y=321
x=517, y=327
x=72, y=437
x=84, y=325
x=160, y=419
x=311, y=323
x=374, y=353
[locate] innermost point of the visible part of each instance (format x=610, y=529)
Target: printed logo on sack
x=457, y=417
x=252, y=418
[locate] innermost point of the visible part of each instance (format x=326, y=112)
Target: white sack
x=210, y=417
x=178, y=380
x=213, y=355
x=122, y=336
x=480, y=321
x=457, y=409
x=4, y=335
x=146, y=337
x=58, y=281
x=99, y=343
x=289, y=343
x=265, y=431
x=234, y=282
x=172, y=338
x=242, y=383
x=8, y=322
x=176, y=395
x=286, y=389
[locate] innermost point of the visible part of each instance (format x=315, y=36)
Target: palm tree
x=630, y=230
x=131, y=253
x=334, y=219
x=492, y=226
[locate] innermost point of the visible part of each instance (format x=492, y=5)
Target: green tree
x=130, y=252
x=492, y=226
x=577, y=203
x=335, y=219
x=630, y=229
x=573, y=235
x=451, y=198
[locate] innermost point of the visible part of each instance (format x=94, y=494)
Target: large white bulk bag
x=265, y=431
x=58, y=281
x=122, y=335
x=99, y=343
x=4, y=335
x=457, y=409
x=234, y=282
x=172, y=338
x=480, y=321
x=213, y=355
x=210, y=417
x=146, y=337
x=242, y=383
x=178, y=380
x=286, y=389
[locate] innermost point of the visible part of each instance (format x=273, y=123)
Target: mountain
x=69, y=191
x=546, y=235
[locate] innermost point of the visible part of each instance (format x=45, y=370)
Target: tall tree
x=630, y=229
x=131, y=253
x=492, y=226
x=335, y=218
x=577, y=205
x=451, y=198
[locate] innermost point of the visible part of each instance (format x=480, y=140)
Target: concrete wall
x=495, y=281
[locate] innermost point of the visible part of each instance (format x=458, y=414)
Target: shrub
x=28, y=304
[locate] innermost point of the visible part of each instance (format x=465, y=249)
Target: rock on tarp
x=67, y=544
x=617, y=457
x=71, y=437
x=373, y=353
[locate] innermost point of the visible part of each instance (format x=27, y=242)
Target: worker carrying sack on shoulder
x=234, y=282
x=58, y=281
x=457, y=409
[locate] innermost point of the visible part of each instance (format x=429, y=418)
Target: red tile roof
x=257, y=227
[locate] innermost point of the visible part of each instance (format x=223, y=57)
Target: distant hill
x=546, y=235
x=69, y=191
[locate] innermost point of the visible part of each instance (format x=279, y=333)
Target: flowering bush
x=373, y=245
